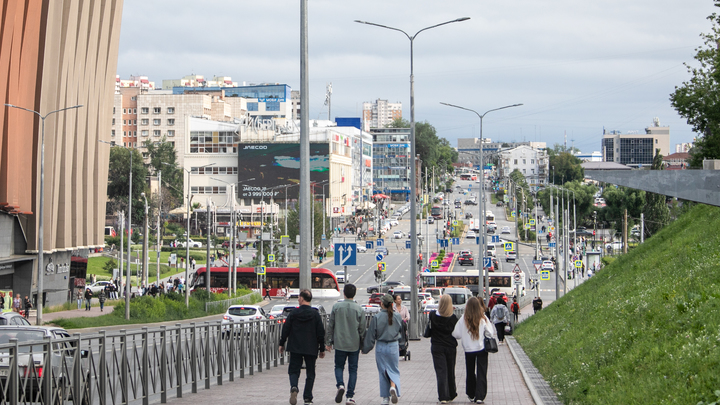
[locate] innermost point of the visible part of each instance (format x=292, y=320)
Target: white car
x=361, y=249
x=394, y=222
x=371, y=308
x=340, y=276
x=242, y=313
x=193, y=244
x=548, y=265
x=97, y=286
x=505, y=229
x=398, y=235
x=425, y=299
x=470, y=235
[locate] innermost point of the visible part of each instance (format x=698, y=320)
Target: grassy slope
x=645, y=330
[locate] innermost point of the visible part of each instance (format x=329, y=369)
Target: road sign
x=271, y=257
x=284, y=240
x=535, y=277
x=260, y=270
x=455, y=241
x=517, y=270
x=496, y=239
x=346, y=254
x=509, y=246
x=368, y=244
x=408, y=244
x=487, y=262
x=537, y=267
x=512, y=214
x=578, y=264
x=551, y=244
x=532, y=221
x=552, y=229
x=537, y=262
x=379, y=256
x=443, y=243
x=545, y=275
x=455, y=223
x=381, y=266
x=517, y=277
x=434, y=264
x=322, y=237
x=527, y=226
x=380, y=242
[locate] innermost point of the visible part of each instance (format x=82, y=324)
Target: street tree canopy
x=432, y=149
x=566, y=167
x=119, y=182
x=698, y=99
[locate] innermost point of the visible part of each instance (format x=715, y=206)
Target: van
x=459, y=295
x=491, y=249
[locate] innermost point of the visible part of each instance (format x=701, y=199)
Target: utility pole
x=122, y=237
x=158, y=245
x=306, y=244
x=642, y=227
x=557, y=240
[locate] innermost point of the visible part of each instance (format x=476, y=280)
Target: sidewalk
x=505, y=382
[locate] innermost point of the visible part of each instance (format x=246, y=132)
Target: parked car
x=499, y=204
x=466, y=258
x=468, y=215
x=394, y=222
x=371, y=308
x=13, y=319
x=193, y=244
x=510, y=256
x=384, y=286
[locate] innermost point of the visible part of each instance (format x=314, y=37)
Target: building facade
x=633, y=149
x=391, y=162
x=380, y=114
x=532, y=163
x=469, y=150
x=56, y=54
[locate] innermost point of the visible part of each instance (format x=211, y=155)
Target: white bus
x=489, y=216
x=502, y=282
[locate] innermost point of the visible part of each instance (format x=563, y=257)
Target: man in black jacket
x=305, y=334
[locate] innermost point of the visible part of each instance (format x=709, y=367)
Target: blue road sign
x=477, y=240
x=379, y=256
x=496, y=239
x=443, y=242
x=380, y=242
x=487, y=262
x=346, y=254
x=368, y=244
x=551, y=244
x=537, y=262
x=455, y=241
x=408, y=244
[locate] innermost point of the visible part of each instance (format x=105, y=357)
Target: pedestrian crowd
x=305, y=338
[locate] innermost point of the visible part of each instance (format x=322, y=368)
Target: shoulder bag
x=428, y=329
x=491, y=345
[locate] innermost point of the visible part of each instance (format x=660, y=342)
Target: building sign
x=398, y=145
x=248, y=223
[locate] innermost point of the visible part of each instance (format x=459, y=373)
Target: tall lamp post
x=145, y=278
x=41, y=210
x=481, y=216
x=414, y=333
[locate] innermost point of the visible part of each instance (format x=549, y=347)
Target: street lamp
x=41, y=210
x=145, y=244
x=481, y=217
x=414, y=333
x=128, y=272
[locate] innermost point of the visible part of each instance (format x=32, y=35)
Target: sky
x=578, y=67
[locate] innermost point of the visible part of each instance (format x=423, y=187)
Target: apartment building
x=531, y=162
x=380, y=113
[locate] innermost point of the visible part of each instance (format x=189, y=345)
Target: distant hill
x=644, y=330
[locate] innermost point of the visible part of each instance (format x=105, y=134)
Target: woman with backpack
x=500, y=316
x=515, y=309
x=471, y=329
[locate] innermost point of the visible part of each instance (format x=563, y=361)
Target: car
x=394, y=222
x=360, y=248
x=375, y=298
x=226, y=245
x=430, y=307
x=458, y=205
x=616, y=246
x=383, y=250
x=13, y=319
x=430, y=220
x=510, y=256
x=548, y=265
x=470, y=235
x=425, y=299
x=466, y=258
x=435, y=292
x=470, y=202
x=468, y=215
x=290, y=308
x=383, y=287
x=242, y=313
x=97, y=286
x=275, y=311
x=499, y=204
x=371, y=308
x=340, y=276
x=448, y=190
x=193, y=244
x=398, y=235
x=505, y=229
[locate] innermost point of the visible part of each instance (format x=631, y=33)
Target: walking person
x=344, y=333
x=27, y=304
x=267, y=292
x=515, y=309
x=471, y=329
x=79, y=297
x=101, y=297
x=500, y=316
x=386, y=331
x=443, y=347
x=304, y=333
x=537, y=304
x=17, y=302
x=88, y=298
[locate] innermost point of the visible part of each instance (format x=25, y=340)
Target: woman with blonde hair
x=444, y=348
x=386, y=328
x=471, y=330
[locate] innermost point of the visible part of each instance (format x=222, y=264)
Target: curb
x=537, y=397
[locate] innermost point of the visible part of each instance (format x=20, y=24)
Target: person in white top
x=471, y=329
x=401, y=309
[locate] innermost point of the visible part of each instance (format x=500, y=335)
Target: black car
x=499, y=204
x=384, y=287
x=468, y=215
x=448, y=190
x=466, y=258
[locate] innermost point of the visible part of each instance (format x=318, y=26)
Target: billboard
x=278, y=164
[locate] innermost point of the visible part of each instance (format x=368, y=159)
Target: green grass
x=644, y=330
x=167, y=307
x=95, y=266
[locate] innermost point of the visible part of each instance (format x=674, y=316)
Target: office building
x=635, y=149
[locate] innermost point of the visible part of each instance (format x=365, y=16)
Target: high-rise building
x=380, y=114
x=635, y=149
x=683, y=147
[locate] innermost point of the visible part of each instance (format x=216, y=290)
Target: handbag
x=428, y=329
x=490, y=343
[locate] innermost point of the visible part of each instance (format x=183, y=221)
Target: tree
x=698, y=100
x=566, y=167
x=657, y=213
x=618, y=200
x=294, y=223
x=429, y=146
x=119, y=182
x=160, y=153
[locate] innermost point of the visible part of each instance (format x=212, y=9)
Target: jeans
x=476, y=378
x=102, y=305
x=87, y=304
x=352, y=358
x=79, y=301
x=444, y=364
x=296, y=362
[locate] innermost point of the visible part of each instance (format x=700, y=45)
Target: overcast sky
x=577, y=66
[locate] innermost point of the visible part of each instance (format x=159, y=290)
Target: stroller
x=404, y=352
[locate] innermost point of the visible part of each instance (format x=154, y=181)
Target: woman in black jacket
x=443, y=347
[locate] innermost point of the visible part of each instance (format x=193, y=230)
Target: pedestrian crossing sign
x=578, y=264
x=434, y=264
x=509, y=246
x=527, y=226
x=271, y=257
x=260, y=270
x=545, y=275
x=381, y=266
x=532, y=221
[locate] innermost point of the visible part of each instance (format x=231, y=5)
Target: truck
x=475, y=224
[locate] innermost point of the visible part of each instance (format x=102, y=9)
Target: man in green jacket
x=344, y=332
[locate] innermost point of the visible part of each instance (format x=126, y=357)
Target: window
x=144, y=110
x=207, y=190
x=171, y=121
x=156, y=132
x=134, y=109
x=524, y=161
x=515, y=161
x=213, y=142
x=171, y=132
x=272, y=106
x=532, y=161
x=124, y=133
x=134, y=144
x=112, y=133
x=144, y=132
x=156, y=121
x=252, y=106
x=171, y=110
x=524, y=171
x=124, y=122
x=144, y=121
x=113, y=121
x=157, y=110
x=134, y=122
x=134, y=133
x=133, y=98
x=213, y=170
x=124, y=110
x=113, y=110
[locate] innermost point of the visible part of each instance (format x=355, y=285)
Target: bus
x=436, y=212
x=324, y=283
x=499, y=281
x=489, y=216
x=465, y=176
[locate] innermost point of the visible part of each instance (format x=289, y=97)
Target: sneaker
x=479, y=401
x=339, y=394
x=350, y=401
x=308, y=402
x=385, y=401
x=293, y=395
x=393, y=395
x=471, y=399
x=444, y=401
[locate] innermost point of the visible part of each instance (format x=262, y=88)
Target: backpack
x=514, y=307
x=501, y=312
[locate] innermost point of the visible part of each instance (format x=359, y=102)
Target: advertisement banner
x=278, y=164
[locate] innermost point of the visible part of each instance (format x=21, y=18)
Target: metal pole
x=127, y=274
x=187, y=244
x=306, y=242
x=557, y=258
x=146, y=252
x=122, y=243
x=208, y=265
x=158, y=245
x=286, y=232
x=233, y=229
